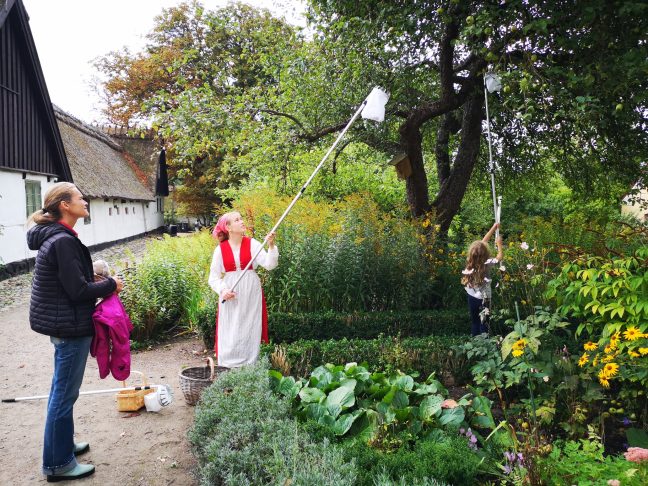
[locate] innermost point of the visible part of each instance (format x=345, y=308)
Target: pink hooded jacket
x=111, y=342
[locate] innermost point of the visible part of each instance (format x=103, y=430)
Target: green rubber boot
x=79, y=471
x=81, y=448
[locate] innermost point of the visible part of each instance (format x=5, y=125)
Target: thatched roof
x=100, y=166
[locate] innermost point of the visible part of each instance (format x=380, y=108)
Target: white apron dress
x=239, y=321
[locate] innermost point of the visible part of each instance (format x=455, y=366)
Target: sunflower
x=604, y=382
x=614, y=339
x=590, y=346
x=608, y=349
x=583, y=360
x=643, y=351
x=633, y=354
x=632, y=333
x=517, y=353
x=610, y=369
x=519, y=344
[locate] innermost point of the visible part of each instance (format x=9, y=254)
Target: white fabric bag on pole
x=375, y=107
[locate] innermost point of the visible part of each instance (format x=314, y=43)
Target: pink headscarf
x=221, y=226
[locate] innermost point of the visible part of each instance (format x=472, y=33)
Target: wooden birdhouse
x=402, y=164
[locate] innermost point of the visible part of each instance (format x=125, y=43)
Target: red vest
x=245, y=254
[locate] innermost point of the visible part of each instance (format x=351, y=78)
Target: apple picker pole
x=492, y=83
x=372, y=108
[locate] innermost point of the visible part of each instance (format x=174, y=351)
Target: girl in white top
x=241, y=322
x=476, y=281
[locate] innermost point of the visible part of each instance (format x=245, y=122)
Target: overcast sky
x=69, y=34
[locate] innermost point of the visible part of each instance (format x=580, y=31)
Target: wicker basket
x=132, y=400
x=194, y=380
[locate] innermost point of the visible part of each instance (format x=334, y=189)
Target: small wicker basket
x=194, y=380
x=132, y=400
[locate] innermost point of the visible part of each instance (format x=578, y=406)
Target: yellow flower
x=519, y=344
x=583, y=360
x=610, y=369
x=517, y=353
x=643, y=351
x=632, y=333
x=596, y=360
x=590, y=346
x=633, y=354
x=614, y=339
x=604, y=382
x=608, y=350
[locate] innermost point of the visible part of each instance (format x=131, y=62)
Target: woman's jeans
x=70, y=357
x=475, y=306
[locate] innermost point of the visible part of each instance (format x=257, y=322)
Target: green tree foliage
x=574, y=92
x=244, y=92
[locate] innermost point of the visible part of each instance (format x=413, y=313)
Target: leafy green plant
x=583, y=462
x=609, y=296
x=388, y=410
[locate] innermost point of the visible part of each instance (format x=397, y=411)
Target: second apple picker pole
x=372, y=108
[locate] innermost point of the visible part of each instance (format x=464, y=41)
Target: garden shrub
x=243, y=434
x=169, y=280
x=446, y=459
x=424, y=355
x=291, y=327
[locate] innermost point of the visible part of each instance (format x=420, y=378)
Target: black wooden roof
x=30, y=140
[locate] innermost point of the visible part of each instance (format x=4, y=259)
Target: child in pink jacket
x=111, y=342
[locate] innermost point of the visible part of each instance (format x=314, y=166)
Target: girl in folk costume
x=476, y=279
x=242, y=320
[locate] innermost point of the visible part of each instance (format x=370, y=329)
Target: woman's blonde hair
x=476, y=270
x=51, y=210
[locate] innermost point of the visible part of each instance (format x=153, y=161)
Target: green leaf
x=344, y=422
x=341, y=398
x=310, y=395
x=430, y=406
x=452, y=416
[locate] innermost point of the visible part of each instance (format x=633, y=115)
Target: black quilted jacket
x=63, y=291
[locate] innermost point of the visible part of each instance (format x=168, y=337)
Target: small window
x=126, y=210
x=33, y=196
x=88, y=218
x=109, y=211
x=133, y=209
x=117, y=208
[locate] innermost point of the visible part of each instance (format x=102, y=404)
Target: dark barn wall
x=26, y=139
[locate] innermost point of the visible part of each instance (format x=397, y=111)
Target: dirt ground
x=127, y=449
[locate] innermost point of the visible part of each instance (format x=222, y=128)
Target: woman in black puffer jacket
x=63, y=298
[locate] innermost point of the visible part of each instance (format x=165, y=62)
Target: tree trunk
x=453, y=188
x=416, y=184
